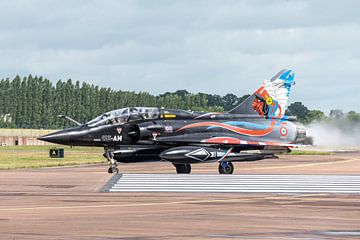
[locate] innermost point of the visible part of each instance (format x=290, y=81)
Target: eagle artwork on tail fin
x=272, y=97
x=270, y=100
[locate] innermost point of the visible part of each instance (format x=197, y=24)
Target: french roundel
x=283, y=131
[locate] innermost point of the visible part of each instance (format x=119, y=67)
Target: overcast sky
x=215, y=47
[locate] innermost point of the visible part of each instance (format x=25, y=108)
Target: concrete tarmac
x=66, y=203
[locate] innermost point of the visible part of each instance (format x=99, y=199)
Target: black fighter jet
x=256, y=129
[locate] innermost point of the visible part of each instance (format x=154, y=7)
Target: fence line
x=18, y=132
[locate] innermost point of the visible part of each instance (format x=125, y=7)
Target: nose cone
x=60, y=137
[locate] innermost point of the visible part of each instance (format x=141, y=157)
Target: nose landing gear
x=109, y=153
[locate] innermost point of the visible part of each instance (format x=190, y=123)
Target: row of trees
x=34, y=102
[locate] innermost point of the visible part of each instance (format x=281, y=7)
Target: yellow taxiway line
x=117, y=205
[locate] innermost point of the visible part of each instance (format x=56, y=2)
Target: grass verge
x=38, y=156
x=309, y=152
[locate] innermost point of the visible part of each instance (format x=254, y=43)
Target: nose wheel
x=113, y=169
x=226, y=168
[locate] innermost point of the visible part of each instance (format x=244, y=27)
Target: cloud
x=203, y=46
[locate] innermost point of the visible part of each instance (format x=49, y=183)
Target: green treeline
x=308, y=116
x=35, y=102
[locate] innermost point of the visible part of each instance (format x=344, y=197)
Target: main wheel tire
x=226, y=168
x=187, y=168
x=183, y=168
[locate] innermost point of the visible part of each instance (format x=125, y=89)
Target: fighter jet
x=256, y=129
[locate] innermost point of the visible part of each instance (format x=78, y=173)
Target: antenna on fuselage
x=70, y=119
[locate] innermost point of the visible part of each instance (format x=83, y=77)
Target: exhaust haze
x=334, y=133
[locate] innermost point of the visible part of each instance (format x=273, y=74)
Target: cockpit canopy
x=124, y=115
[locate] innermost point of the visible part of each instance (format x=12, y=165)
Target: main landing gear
x=226, y=168
x=183, y=168
x=109, y=153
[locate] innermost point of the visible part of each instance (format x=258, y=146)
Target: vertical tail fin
x=271, y=99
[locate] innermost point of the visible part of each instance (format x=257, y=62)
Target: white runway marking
x=234, y=183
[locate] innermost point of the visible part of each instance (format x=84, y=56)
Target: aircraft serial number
x=109, y=138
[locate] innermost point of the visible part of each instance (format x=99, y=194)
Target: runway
x=293, y=197
x=234, y=183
